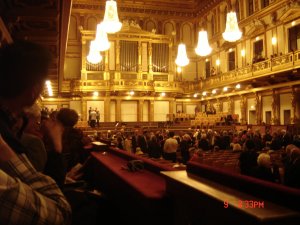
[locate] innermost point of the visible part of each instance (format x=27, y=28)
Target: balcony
x=267, y=67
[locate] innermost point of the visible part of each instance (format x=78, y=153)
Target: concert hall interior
x=172, y=111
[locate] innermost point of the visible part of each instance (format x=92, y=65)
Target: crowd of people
x=254, y=149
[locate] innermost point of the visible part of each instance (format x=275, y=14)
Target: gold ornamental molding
x=173, y=9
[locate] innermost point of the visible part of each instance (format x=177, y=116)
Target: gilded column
x=150, y=74
x=243, y=109
x=140, y=110
x=106, y=68
x=107, y=108
x=118, y=55
x=171, y=106
x=275, y=108
x=118, y=66
x=140, y=57
x=219, y=106
x=83, y=60
x=258, y=107
x=171, y=72
x=230, y=105
x=118, y=110
x=294, y=105
x=84, y=115
x=151, y=111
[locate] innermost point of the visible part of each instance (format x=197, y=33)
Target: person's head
x=171, y=134
x=68, y=117
x=264, y=160
x=236, y=147
x=289, y=148
x=249, y=145
x=24, y=69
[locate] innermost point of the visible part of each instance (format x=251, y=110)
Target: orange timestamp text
x=246, y=204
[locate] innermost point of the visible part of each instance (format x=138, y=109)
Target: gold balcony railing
x=267, y=67
x=129, y=80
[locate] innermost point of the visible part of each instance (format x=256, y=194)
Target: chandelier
x=94, y=55
x=111, y=23
x=232, y=32
x=203, y=48
x=101, y=40
x=182, y=59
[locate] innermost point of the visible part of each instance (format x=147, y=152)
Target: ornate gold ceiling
x=41, y=21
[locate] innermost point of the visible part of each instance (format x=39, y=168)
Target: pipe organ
x=134, y=55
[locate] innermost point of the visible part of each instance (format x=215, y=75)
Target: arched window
x=150, y=26
x=168, y=28
x=91, y=23
x=187, y=34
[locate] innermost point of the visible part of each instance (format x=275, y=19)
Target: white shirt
x=170, y=145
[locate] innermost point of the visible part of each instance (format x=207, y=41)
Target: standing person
x=97, y=117
x=170, y=148
x=26, y=196
x=89, y=121
x=93, y=118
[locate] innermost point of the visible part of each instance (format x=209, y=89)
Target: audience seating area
x=204, y=120
x=223, y=159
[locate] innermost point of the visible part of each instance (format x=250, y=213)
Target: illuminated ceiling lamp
x=182, y=59
x=232, y=32
x=203, y=48
x=94, y=55
x=101, y=40
x=111, y=23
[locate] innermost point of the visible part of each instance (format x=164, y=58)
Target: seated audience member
x=236, y=147
x=72, y=137
x=248, y=158
x=264, y=168
x=27, y=197
x=267, y=138
x=276, y=142
x=225, y=140
x=62, y=159
x=286, y=138
x=203, y=143
x=31, y=138
x=292, y=169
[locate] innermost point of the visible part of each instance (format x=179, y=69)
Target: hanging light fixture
x=203, y=48
x=94, y=55
x=182, y=59
x=232, y=32
x=111, y=23
x=101, y=42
